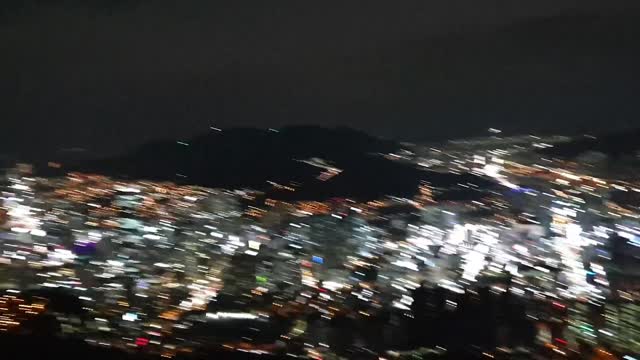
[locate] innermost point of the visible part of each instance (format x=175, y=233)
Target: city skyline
x=437, y=180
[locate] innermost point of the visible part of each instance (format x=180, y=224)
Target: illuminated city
x=540, y=262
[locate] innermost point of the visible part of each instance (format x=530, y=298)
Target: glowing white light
x=573, y=232
x=521, y=249
x=230, y=315
x=38, y=232
x=62, y=255
x=492, y=170
x=457, y=235
x=401, y=306
x=130, y=316
x=332, y=285
x=406, y=264
x=126, y=189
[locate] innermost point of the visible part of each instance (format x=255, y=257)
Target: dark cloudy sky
x=108, y=75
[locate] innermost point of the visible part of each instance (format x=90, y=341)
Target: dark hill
x=612, y=155
x=615, y=145
x=247, y=157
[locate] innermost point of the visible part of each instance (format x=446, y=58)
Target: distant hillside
x=246, y=157
x=611, y=156
x=615, y=145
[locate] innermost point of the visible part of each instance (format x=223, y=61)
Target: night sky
x=113, y=74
